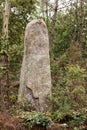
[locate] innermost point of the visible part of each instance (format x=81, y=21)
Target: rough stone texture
x=35, y=80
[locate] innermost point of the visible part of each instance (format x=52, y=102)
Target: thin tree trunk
x=51, y=38
x=5, y=76
x=47, y=12
x=42, y=6
x=81, y=23
x=77, y=23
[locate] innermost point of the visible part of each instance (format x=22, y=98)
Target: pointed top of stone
x=36, y=38
x=34, y=22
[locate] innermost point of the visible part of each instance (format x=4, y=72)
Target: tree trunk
x=5, y=76
x=53, y=23
x=81, y=23
x=47, y=12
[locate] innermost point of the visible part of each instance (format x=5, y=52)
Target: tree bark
x=5, y=75
x=81, y=23
x=51, y=38
x=47, y=12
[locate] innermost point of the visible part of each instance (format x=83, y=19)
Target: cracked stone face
x=35, y=79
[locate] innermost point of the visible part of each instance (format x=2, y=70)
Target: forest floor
x=16, y=123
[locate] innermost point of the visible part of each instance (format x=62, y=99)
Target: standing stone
x=35, y=79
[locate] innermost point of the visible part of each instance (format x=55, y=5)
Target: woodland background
x=67, y=28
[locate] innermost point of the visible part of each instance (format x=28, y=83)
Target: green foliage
x=70, y=92
x=73, y=119
x=67, y=30
x=62, y=35
x=79, y=119
x=57, y=116
x=36, y=118
x=69, y=80
x=20, y=15
x=76, y=72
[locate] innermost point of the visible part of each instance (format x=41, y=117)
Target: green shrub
x=79, y=119
x=74, y=120
x=70, y=91
x=36, y=118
